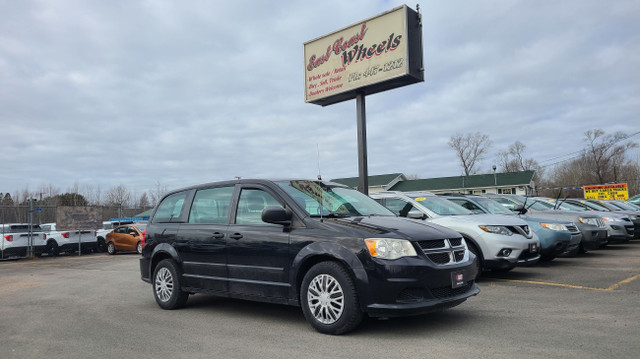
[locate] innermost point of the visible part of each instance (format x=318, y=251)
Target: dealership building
x=520, y=183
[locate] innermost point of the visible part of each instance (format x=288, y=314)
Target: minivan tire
x=329, y=300
x=166, y=284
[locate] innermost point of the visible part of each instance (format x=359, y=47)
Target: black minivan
x=320, y=245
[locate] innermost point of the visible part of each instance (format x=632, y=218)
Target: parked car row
x=561, y=227
x=618, y=225
x=17, y=238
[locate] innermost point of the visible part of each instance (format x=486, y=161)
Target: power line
x=577, y=154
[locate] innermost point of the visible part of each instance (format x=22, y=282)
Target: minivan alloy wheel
x=329, y=299
x=164, y=284
x=325, y=298
x=167, y=287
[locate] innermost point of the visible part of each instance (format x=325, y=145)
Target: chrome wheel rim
x=164, y=284
x=325, y=299
x=139, y=248
x=111, y=248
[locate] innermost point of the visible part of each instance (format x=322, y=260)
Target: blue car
x=556, y=237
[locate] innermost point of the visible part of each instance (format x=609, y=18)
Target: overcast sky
x=102, y=93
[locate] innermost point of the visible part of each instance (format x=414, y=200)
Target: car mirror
x=133, y=234
x=277, y=215
x=520, y=209
x=416, y=215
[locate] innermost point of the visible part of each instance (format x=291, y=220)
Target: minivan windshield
x=327, y=200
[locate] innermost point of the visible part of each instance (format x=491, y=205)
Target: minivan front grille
x=444, y=251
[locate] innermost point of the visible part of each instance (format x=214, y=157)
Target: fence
x=37, y=215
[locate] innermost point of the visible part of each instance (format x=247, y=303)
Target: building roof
x=475, y=181
x=378, y=180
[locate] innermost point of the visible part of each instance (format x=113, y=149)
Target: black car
x=320, y=245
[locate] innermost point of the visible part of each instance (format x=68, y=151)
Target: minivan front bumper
x=412, y=286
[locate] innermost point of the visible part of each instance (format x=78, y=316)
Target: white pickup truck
x=15, y=240
x=68, y=241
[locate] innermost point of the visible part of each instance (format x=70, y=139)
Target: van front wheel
x=329, y=299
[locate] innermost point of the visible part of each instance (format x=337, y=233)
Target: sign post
x=375, y=55
x=363, y=171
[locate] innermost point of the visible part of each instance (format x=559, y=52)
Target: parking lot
x=96, y=306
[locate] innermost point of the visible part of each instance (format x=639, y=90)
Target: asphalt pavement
x=96, y=306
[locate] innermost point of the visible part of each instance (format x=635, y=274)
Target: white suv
x=15, y=238
x=68, y=241
x=500, y=242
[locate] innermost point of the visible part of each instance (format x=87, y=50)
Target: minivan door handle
x=218, y=235
x=235, y=236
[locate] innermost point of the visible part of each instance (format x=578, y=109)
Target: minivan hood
x=389, y=226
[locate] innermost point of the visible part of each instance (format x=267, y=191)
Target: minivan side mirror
x=277, y=215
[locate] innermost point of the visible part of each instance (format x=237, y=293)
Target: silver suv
x=500, y=242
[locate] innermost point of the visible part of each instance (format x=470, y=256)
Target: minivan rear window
x=170, y=208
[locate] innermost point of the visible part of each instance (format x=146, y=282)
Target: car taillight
x=65, y=234
x=9, y=237
x=144, y=234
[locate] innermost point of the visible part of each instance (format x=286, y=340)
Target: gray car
x=592, y=227
x=619, y=225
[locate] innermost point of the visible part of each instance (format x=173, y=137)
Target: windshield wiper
x=331, y=215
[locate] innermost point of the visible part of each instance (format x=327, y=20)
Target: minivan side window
x=251, y=204
x=211, y=206
x=170, y=208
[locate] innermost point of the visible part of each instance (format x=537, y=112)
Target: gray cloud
x=140, y=92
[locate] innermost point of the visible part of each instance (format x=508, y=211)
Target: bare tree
x=158, y=193
x=143, y=201
x=47, y=190
x=604, y=159
x=606, y=154
x=513, y=160
x=470, y=149
x=118, y=196
x=93, y=194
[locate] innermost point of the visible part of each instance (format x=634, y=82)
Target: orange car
x=125, y=238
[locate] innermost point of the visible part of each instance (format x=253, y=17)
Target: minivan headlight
x=497, y=230
x=390, y=248
x=554, y=226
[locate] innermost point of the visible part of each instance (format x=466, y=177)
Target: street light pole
x=495, y=179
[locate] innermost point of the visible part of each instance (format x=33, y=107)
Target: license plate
x=457, y=279
x=533, y=247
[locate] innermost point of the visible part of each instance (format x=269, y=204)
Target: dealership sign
x=608, y=191
x=377, y=54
